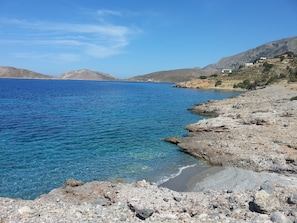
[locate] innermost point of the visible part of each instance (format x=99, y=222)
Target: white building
x=227, y=71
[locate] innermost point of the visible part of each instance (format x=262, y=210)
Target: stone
x=144, y=213
x=73, y=183
x=25, y=210
x=279, y=217
x=131, y=207
x=265, y=203
x=292, y=199
x=101, y=201
x=178, y=199
x=141, y=183
x=267, y=186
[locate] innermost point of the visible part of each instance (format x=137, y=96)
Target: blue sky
x=126, y=38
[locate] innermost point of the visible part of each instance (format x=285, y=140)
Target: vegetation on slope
x=262, y=72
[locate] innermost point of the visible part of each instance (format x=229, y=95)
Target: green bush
x=267, y=67
x=246, y=84
x=218, y=82
x=214, y=75
x=293, y=98
x=290, y=54
x=253, y=86
x=271, y=80
x=203, y=77
x=282, y=76
x=256, y=60
x=293, y=76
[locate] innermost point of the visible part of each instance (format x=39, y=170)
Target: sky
x=126, y=38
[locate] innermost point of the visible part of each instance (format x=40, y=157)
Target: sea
x=54, y=130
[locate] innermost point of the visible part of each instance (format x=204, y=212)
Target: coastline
x=252, y=149
x=254, y=131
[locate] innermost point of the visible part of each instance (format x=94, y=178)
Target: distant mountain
x=12, y=72
x=86, y=75
x=172, y=75
x=267, y=50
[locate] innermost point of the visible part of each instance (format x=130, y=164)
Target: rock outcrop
x=255, y=131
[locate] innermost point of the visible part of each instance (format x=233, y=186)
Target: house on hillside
x=248, y=64
x=226, y=71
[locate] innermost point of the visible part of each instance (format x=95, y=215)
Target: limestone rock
x=293, y=199
x=279, y=218
x=265, y=203
x=268, y=187
x=73, y=183
x=25, y=210
x=255, y=130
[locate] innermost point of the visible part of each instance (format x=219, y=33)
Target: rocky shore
x=251, y=143
x=256, y=130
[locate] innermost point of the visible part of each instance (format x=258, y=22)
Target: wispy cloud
x=104, y=12
x=93, y=40
x=57, y=58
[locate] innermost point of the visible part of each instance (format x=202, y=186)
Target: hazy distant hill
x=86, y=75
x=268, y=50
x=12, y=72
x=172, y=75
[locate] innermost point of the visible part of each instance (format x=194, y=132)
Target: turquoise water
x=53, y=130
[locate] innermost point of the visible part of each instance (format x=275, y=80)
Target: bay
x=53, y=130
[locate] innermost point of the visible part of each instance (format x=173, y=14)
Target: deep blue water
x=53, y=130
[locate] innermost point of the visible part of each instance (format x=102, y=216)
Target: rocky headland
x=255, y=130
x=251, y=144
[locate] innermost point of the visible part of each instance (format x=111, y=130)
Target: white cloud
x=49, y=57
x=94, y=40
x=104, y=12
x=101, y=51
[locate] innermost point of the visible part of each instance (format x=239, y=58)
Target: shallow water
x=53, y=130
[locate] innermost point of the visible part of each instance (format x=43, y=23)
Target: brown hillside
x=12, y=72
x=262, y=72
